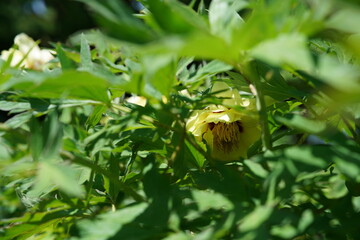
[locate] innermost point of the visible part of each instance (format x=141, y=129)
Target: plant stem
x=249, y=71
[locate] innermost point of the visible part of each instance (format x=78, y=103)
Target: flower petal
x=233, y=95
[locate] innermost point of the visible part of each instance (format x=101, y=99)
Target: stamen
x=226, y=135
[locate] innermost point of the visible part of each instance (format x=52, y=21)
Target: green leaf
x=299, y=122
x=209, y=70
x=14, y=107
x=178, y=236
x=285, y=231
x=306, y=219
x=224, y=19
x=256, y=218
x=85, y=54
x=342, y=76
x=25, y=231
x=210, y=200
x=95, y=116
x=37, y=139
x=62, y=176
x=198, y=158
x=256, y=168
x=159, y=74
x=175, y=17
x=70, y=84
x=347, y=156
x=285, y=50
x=18, y=120
x=336, y=188
x=117, y=20
x=46, y=137
x=65, y=61
x=345, y=20
x=194, y=45
x=318, y=156
x=106, y=225
x=5, y=150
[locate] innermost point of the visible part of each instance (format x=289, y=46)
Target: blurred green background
x=52, y=20
x=47, y=20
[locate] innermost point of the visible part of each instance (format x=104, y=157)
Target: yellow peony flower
x=228, y=132
x=29, y=53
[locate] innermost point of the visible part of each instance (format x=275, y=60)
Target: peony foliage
x=222, y=119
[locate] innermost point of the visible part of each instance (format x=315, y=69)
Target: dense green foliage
x=77, y=161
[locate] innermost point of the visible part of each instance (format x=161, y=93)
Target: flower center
x=226, y=135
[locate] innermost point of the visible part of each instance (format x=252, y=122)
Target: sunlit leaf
x=71, y=84
x=285, y=50
x=107, y=224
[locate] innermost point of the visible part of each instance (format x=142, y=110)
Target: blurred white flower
x=28, y=55
x=228, y=132
x=138, y=100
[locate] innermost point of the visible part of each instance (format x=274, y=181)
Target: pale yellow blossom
x=28, y=55
x=137, y=100
x=228, y=132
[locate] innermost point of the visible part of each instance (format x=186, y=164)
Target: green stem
x=250, y=73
